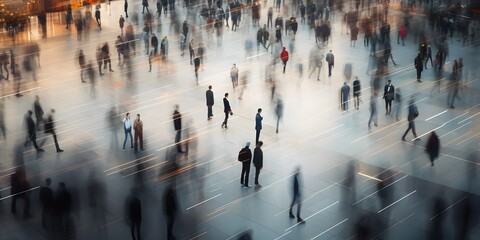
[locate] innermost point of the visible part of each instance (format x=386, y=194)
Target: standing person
x=2, y=118
x=63, y=204
x=258, y=124
x=154, y=43
x=433, y=147
x=164, y=48
x=234, y=76
x=37, y=107
x=125, y=8
x=402, y=33
x=191, y=50
x=47, y=202
x=127, y=127
x=412, y=114
x=419, y=66
x=106, y=57
x=97, y=16
x=210, y=102
x=138, y=136
x=296, y=196
x=373, y=111
x=182, y=43
x=344, y=96
x=227, y=110
x=120, y=45
x=50, y=128
x=99, y=59
x=19, y=189
x=357, y=89
x=330, y=58
x=278, y=35
x=245, y=157
x=17, y=78
x=428, y=56
x=269, y=17
x=279, y=111
x=170, y=209
x=31, y=131
x=284, y=58
x=133, y=210
x=177, y=125
x=159, y=8
x=82, y=62
x=258, y=162
x=121, y=23
x=145, y=5
x=388, y=95
x=196, y=65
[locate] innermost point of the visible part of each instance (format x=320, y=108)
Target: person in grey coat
x=344, y=96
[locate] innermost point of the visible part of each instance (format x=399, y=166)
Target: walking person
x=357, y=89
x=428, y=56
x=177, y=125
x=50, y=128
x=279, y=111
x=284, y=58
x=133, y=208
x=419, y=66
x=82, y=63
x=258, y=124
x=37, y=107
x=2, y=119
x=164, y=48
x=106, y=57
x=99, y=58
x=196, y=66
x=138, y=136
x=121, y=23
x=245, y=157
x=234, y=76
x=344, y=96
x=19, y=189
x=17, y=78
x=258, y=162
x=31, y=131
x=388, y=95
x=296, y=197
x=373, y=111
x=47, y=202
x=227, y=110
x=330, y=58
x=127, y=127
x=433, y=147
x=154, y=44
x=125, y=8
x=191, y=50
x=398, y=104
x=170, y=209
x=145, y=5
x=210, y=101
x=97, y=16
x=412, y=114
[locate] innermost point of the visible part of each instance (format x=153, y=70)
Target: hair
x=138, y=114
x=259, y=110
x=210, y=87
x=226, y=94
x=127, y=114
x=260, y=143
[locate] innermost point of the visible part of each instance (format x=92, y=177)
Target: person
x=47, y=201
x=4, y=65
x=125, y=8
x=38, y=112
x=17, y=78
x=106, y=57
x=402, y=33
x=120, y=46
x=344, y=96
x=138, y=136
x=99, y=58
x=296, y=196
x=258, y=124
x=234, y=75
x=258, y=162
x=63, y=205
x=330, y=58
x=97, y=16
x=19, y=189
x=182, y=43
x=373, y=111
x=159, y=8
x=412, y=114
x=269, y=17
x=210, y=102
x=32, y=132
x=388, y=95
x=419, y=66
x=164, y=48
x=433, y=147
x=191, y=50
x=279, y=111
x=133, y=209
x=2, y=118
x=127, y=126
x=170, y=209
x=82, y=62
x=196, y=66
x=278, y=35
x=121, y=23
x=428, y=56
x=145, y=5
x=50, y=128
x=227, y=110
x=154, y=43
x=356, y=92
x=177, y=124
x=398, y=104
x=245, y=157
x=284, y=58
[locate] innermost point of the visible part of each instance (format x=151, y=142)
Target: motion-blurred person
x=296, y=196
x=454, y=87
x=183, y=39
x=164, y=48
x=127, y=127
x=82, y=63
x=119, y=45
x=385, y=188
x=106, y=57
x=4, y=65
x=170, y=209
x=258, y=124
x=177, y=125
x=389, y=96
x=373, y=111
x=350, y=183
x=154, y=43
x=436, y=222
x=419, y=66
x=227, y=110
x=97, y=193
x=125, y=8
x=138, y=136
x=245, y=157
x=398, y=104
x=278, y=111
x=428, y=56
x=37, y=107
x=133, y=212
x=31, y=131
x=97, y=16
x=357, y=90
x=99, y=58
x=50, y=128
x=63, y=206
x=234, y=75
x=284, y=58
x=17, y=78
x=466, y=217
x=145, y=5
x=196, y=66
x=112, y=116
x=2, y=119
x=121, y=24
x=330, y=58
x=258, y=162
x=191, y=50
x=210, y=101
x=315, y=61
x=146, y=38
x=433, y=147
x=344, y=96
x=412, y=114
x=47, y=202
x=19, y=189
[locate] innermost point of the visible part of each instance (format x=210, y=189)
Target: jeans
x=128, y=132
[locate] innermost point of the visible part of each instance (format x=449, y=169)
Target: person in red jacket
x=284, y=57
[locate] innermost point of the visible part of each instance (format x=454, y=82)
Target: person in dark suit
x=177, y=124
x=227, y=110
x=170, y=209
x=412, y=114
x=258, y=124
x=133, y=208
x=419, y=66
x=63, y=207
x=47, y=201
x=357, y=89
x=258, y=162
x=210, y=102
x=388, y=95
x=344, y=96
x=37, y=107
x=296, y=197
x=19, y=187
x=330, y=58
x=433, y=147
x=245, y=157
x=279, y=111
x=50, y=128
x=32, y=132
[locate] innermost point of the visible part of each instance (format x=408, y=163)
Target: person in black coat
x=63, y=205
x=357, y=90
x=258, y=162
x=210, y=102
x=154, y=43
x=170, y=209
x=133, y=208
x=433, y=147
x=32, y=135
x=177, y=124
x=50, y=128
x=419, y=66
x=258, y=124
x=19, y=187
x=388, y=95
x=46, y=200
x=227, y=110
x=245, y=157
x=296, y=197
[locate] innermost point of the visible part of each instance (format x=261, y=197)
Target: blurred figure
x=133, y=210
x=278, y=111
x=433, y=147
x=234, y=75
x=177, y=125
x=31, y=131
x=2, y=119
x=385, y=189
x=121, y=23
x=196, y=65
x=119, y=45
x=19, y=189
x=398, y=104
x=439, y=205
x=454, y=87
x=284, y=58
x=357, y=90
x=412, y=114
x=99, y=59
x=138, y=136
x=63, y=206
x=37, y=107
x=82, y=63
x=50, y=128
x=344, y=96
x=191, y=50
x=47, y=202
x=258, y=162
x=106, y=57
x=145, y=5
x=125, y=8
x=164, y=48
x=419, y=66
x=258, y=124
x=316, y=61
x=127, y=127
x=330, y=58
x=97, y=193
x=373, y=111
x=466, y=217
x=243, y=84
x=296, y=196
x=4, y=61
x=210, y=101
x=154, y=43
x=112, y=116
x=388, y=95
x=170, y=209
x=245, y=157
x=227, y=110
x=97, y=16
x=17, y=77
x=350, y=183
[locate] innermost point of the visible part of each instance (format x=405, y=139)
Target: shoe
x=452, y=107
x=376, y=125
x=300, y=220
x=403, y=139
x=416, y=139
x=290, y=215
x=18, y=95
x=258, y=186
x=40, y=150
x=60, y=150
x=418, y=80
x=247, y=186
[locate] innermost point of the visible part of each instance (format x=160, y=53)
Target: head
x=259, y=144
x=127, y=115
x=389, y=81
x=37, y=97
x=52, y=111
x=226, y=95
x=234, y=65
x=284, y=48
x=210, y=87
x=177, y=106
x=259, y=110
x=62, y=185
x=330, y=50
x=29, y=112
x=138, y=116
x=48, y=181
x=247, y=145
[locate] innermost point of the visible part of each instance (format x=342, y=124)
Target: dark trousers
x=26, y=206
x=170, y=222
x=55, y=140
x=257, y=172
x=138, y=137
x=209, y=111
x=127, y=133
x=32, y=136
x=245, y=173
x=135, y=225
x=411, y=125
x=257, y=136
x=388, y=106
x=284, y=66
x=225, y=121
x=296, y=199
x=178, y=136
x=419, y=73
x=330, y=66
x=345, y=104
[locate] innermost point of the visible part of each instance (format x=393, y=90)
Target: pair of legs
x=209, y=112
x=128, y=132
x=26, y=206
x=411, y=125
x=330, y=66
x=257, y=136
x=178, y=135
x=388, y=106
x=138, y=137
x=225, y=121
x=356, y=100
x=296, y=200
x=245, y=173
x=135, y=226
x=257, y=173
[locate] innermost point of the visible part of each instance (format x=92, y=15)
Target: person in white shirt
x=127, y=126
